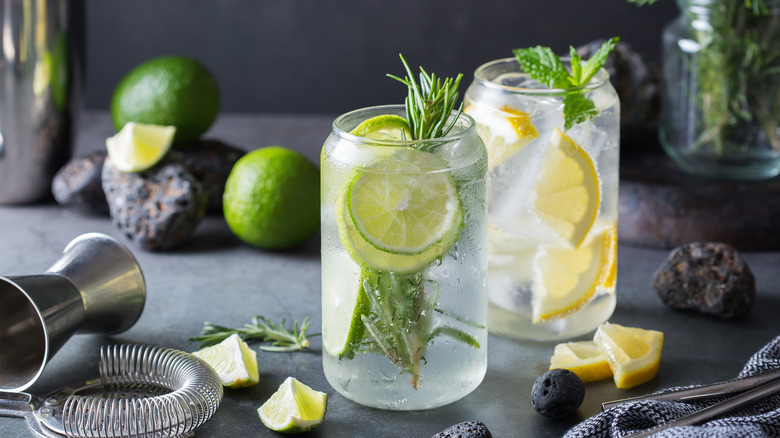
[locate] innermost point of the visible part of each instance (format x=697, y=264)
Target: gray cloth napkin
x=761, y=419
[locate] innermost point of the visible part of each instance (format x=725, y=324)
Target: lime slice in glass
x=384, y=127
x=294, y=408
x=342, y=324
x=138, y=147
x=405, y=204
x=234, y=362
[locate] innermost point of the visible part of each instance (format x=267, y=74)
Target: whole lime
x=169, y=90
x=271, y=198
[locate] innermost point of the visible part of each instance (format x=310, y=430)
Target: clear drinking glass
x=404, y=263
x=553, y=196
x=720, y=106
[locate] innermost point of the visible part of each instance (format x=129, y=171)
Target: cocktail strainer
x=143, y=392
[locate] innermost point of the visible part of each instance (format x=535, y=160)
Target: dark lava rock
x=708, y=277
x=210, y=161
x=636, y=81
x=157, y=209
x=78, y=184
x=557, y=393
x=466, y=429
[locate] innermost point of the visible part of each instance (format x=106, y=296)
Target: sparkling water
x=453, y=282
x=518, y=237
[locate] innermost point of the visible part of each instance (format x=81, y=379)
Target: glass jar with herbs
x=721, y=92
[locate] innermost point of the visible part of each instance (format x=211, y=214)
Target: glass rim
x=599, y=80
x=467, y=125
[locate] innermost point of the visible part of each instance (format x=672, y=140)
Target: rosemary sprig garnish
x=429, y=103
x=260, y=330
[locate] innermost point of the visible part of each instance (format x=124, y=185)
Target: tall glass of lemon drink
x=404, y=260
x=553, y=195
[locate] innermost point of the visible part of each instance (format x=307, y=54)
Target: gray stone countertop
x=215, y=277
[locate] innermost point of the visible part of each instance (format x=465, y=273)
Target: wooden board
x=661, y=206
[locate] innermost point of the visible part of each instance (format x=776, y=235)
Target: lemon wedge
x=583, y=358
x=234, y=362
x=294, y=408
x=566, y=279
x=568, y=190
x=504, y=132
x=634, y=354
x=138, y=147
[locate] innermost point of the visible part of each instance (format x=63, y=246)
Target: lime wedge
x=342, y=325
x=138, y=147
x=294, y=408
x=384, y=127
x=234, y=362
x=405, y=204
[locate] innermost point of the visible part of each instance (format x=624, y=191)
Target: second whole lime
x=171, y=91
x=271, y=198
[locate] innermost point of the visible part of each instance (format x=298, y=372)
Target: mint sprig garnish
x=543, y=65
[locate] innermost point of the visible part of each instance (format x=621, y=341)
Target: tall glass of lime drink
x=404, y=260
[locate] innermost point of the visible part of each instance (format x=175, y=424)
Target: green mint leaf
x=543, y=65
x=597, y=61
x=577, y=108
x=576, y=66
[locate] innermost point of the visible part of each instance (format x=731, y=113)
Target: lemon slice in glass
x=233, y=360
x=138, y=147
x=583, y=358
x=406, y=204
x=505, y=132
x=384, y=127
x=294, y=408
x=568, y=190
x=566, y=279
x=634, y=354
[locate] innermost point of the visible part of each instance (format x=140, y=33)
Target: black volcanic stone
x=157, y=209
x=466, y=429
x=557, y=393
x=707, y=277
x=78, y=184
x=210, y=161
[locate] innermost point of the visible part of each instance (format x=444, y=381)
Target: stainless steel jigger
x=95, y=287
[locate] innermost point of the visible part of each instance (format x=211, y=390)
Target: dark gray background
x=317, y=56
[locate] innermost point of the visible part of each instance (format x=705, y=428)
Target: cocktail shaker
x=39, y=77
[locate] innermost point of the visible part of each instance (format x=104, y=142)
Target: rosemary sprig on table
x=260, y=330
x=429, y=103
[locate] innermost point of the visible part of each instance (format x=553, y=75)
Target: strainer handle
x=16, y=404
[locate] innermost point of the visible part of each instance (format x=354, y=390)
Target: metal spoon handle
x=729, y=387
x=716, y=410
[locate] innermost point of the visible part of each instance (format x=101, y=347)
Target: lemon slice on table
x=583, y=358
x=233, y=360
x=384, y=127
x=566, y=279
x=568, y=190
x=504, y=132
x=634, y=354
x=138, y=147
x=405, y=204
x=342, y=326
x=294, y=408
